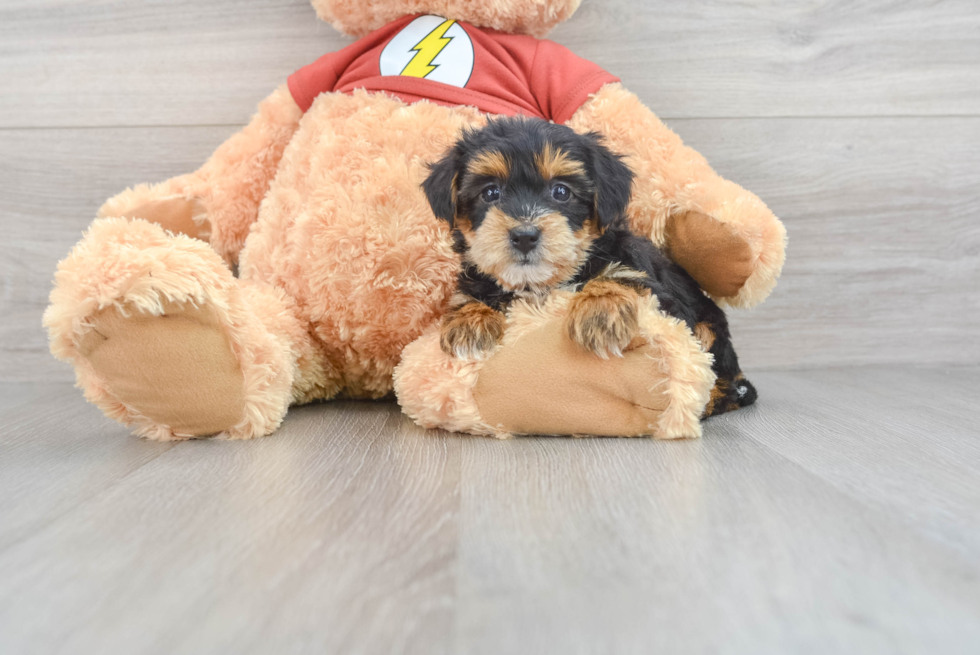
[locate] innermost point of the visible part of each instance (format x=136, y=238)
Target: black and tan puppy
x=535, y=206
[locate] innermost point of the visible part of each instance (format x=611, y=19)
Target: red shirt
x=452, y=63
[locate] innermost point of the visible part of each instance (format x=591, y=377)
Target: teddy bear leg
x=164, y=338
x=540, y=382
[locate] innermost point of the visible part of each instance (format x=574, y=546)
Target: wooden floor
x=839, y=515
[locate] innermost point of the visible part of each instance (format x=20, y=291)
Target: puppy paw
x=602, y=318
x=471, y=331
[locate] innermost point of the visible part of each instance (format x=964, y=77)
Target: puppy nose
x=525, y=238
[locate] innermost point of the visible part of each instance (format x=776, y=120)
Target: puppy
x=535, y=206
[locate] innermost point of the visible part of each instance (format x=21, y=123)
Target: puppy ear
x=440, y=187
x=613, y=180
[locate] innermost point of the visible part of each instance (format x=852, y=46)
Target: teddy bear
x=302, y=262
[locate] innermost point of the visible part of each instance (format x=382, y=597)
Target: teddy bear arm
x=539, y=381
x=723, y=235
x=219, y=202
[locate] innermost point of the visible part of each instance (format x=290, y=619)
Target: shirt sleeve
x=561, y=81
x=310, y=81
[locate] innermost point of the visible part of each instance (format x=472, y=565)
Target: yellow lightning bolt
x=427, y=49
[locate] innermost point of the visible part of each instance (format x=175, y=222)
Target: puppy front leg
x=603, y=316
x=471, y=329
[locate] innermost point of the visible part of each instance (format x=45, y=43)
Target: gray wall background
x=857, y=122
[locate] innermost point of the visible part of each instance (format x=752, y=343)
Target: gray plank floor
x=840, y=514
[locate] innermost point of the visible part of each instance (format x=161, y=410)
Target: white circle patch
x=432, y=48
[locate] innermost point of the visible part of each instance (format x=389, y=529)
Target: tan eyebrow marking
x=553, y=162
x=491, y=164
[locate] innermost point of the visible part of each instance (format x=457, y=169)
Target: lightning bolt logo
x=427, y=49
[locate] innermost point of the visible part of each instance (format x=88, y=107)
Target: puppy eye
x=490, y=193
x=560, y=192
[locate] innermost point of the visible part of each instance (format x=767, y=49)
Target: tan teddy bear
x=343, y=273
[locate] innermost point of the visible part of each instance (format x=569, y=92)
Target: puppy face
x=526, y=199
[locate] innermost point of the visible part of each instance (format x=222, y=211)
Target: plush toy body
x=343, y=270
